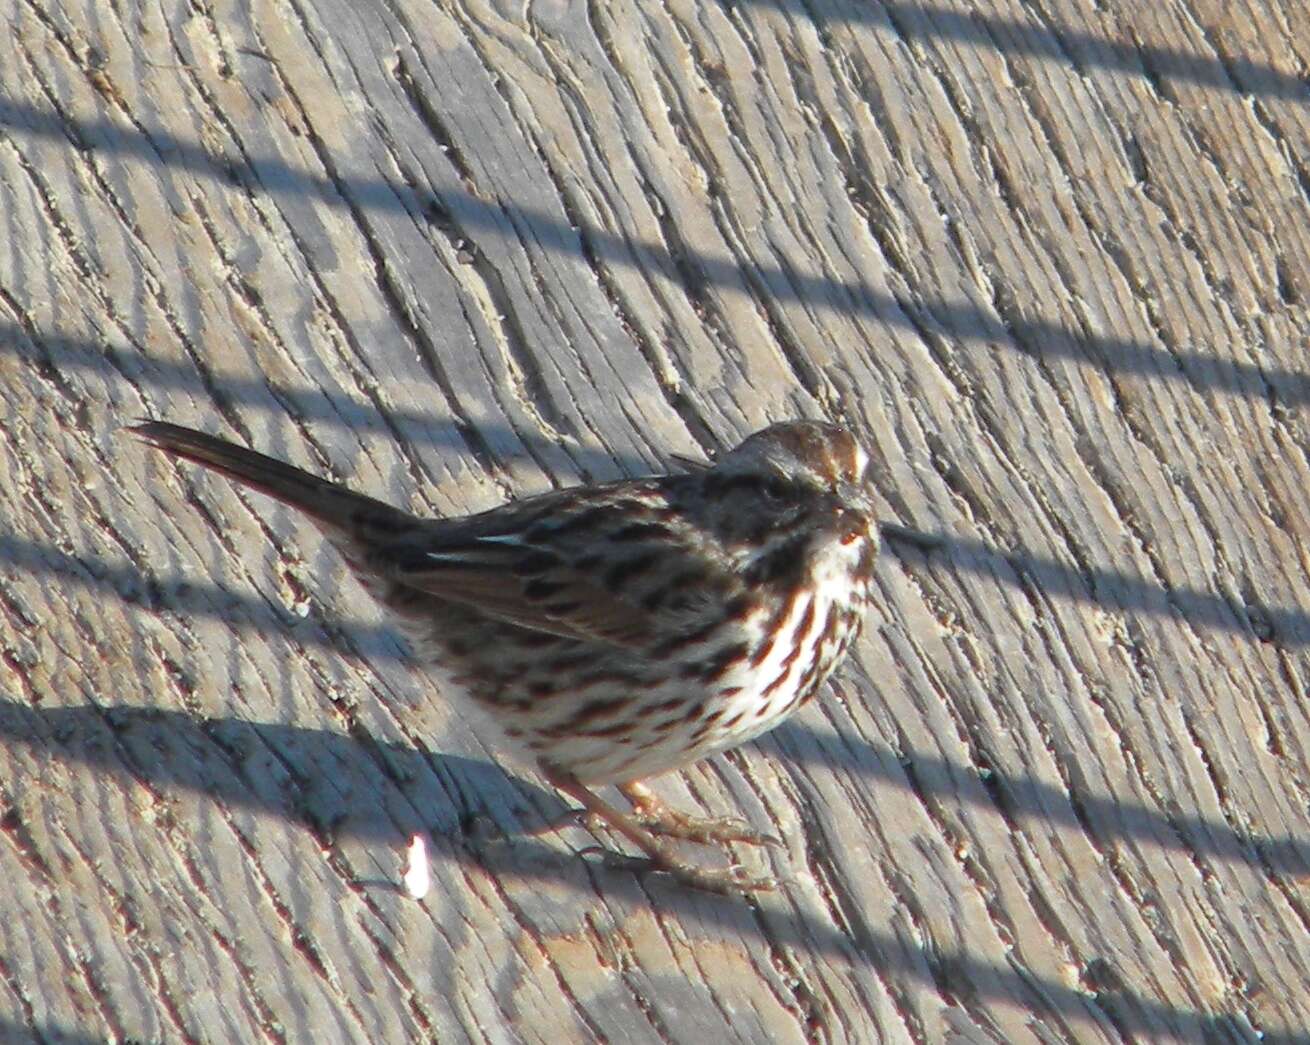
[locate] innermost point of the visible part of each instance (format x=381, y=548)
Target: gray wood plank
x=1049, y=259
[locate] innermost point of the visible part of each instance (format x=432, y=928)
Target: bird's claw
x=703, y=830
x=727, y=880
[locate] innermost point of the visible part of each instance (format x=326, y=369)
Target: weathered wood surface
x=1050, y=258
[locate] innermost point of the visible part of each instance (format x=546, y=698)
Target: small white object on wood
x=416, y=878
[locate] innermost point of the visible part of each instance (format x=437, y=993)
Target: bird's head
x=795, y=480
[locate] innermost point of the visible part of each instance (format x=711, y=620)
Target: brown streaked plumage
x=620, y=630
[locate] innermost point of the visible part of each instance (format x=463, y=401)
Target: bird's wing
x=553, y=598
x=564, y=576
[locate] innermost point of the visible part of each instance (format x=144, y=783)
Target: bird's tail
x=329, y=504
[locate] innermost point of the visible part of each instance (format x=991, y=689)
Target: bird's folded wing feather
x=501, y=577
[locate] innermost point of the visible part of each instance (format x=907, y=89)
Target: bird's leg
x=660, y=856
x=651, y=813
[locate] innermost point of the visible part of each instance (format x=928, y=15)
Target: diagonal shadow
x=173, y=750
x=1290, y=627
x=1102, y=818
x=471, y=216
x=1287, y=626
x=219, y=758
x=181, y=594
x=1081, y=50
x=307, y=402
x=47, y=1033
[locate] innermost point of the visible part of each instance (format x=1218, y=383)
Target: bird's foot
x=705, y=830
x=655, y=816
x=660, y=856
x=725, y=880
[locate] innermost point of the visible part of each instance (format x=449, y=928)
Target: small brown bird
x=624, y=629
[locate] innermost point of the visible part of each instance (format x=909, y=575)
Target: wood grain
x=1051, y=261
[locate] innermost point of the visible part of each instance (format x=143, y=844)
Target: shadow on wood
x=170, y=750
x=1054, y=42
x=452, y=207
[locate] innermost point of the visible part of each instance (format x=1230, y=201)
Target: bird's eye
x=775, y=489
